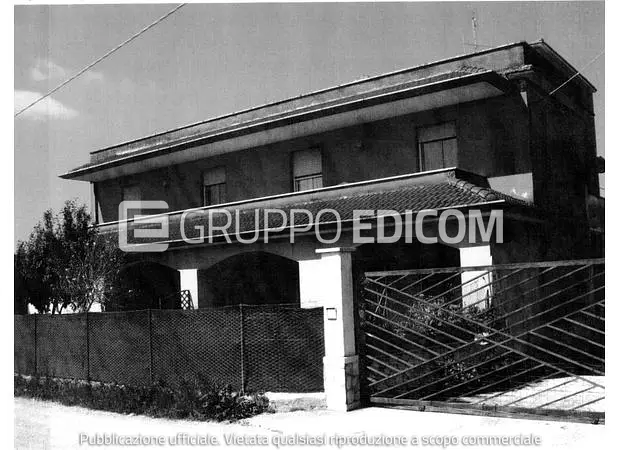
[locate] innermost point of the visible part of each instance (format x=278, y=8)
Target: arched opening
x=144, y=285
x=256, y=278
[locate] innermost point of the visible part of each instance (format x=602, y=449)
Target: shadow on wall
x=256, y=278
x=398, y=256
x=146, y=285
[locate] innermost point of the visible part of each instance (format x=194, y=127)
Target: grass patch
x=195, y=398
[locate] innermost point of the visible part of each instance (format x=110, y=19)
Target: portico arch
x=145, y=284
x=251, y=278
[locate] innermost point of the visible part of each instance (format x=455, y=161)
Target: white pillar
x=189, y=281
x=310, y=283
x=341, y=361
x=478, y=281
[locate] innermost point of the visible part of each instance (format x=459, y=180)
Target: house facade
x=479, y=132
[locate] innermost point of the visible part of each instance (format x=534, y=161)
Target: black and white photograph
x=310, y=225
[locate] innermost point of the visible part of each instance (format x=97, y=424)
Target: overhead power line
x=576, y=74
x=98, y=60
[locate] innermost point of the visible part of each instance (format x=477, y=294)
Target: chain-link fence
x=268, y=348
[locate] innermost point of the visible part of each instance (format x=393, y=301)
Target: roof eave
x=365, y=80
x=549, y=53
x=489, y=76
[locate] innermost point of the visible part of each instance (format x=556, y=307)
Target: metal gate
x=501, y=340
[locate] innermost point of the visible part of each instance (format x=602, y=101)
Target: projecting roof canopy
x=262, y=126
x=447, y=82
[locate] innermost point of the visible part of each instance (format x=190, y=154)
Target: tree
x=66, y=263
x=93, y=277
x=34, y=262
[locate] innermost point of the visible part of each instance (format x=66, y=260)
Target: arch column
x=341, y=362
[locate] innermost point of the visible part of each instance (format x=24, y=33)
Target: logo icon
x=141, y=233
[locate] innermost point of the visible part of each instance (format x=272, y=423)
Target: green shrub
x=194, y=398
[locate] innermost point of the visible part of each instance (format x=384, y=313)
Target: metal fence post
x=87, y=348
x=242, y=344
x=150, y=346
x=36, y=369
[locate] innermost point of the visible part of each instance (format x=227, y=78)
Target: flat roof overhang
x=307, y=121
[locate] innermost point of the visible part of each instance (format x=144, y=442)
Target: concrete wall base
x=341, y=377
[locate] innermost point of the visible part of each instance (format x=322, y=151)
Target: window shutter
x=216, y=175
x=432, y=156
x=307, y=162
x=450, y=158
x=436, y=132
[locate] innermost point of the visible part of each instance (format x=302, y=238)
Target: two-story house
x=478, y=131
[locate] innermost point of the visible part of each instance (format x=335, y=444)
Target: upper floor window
x=214, y=186
x=307, y=170
x=437, y=146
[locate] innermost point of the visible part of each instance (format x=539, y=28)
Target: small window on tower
x=214, y=186
x=307, y=170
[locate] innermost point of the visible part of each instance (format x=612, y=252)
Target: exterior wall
x=523, y=242
x=563, y=141
x=549, y=241
x=494, y=137
x=492, y=141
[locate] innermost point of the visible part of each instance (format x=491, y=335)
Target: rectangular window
x=214, y=186
x=437, y=146
x=307, y=170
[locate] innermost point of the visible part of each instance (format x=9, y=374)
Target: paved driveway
x=45, y=425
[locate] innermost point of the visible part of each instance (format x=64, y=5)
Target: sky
x=211, y=59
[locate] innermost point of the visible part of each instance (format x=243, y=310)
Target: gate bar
x=502, y=344
x=531, y=265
